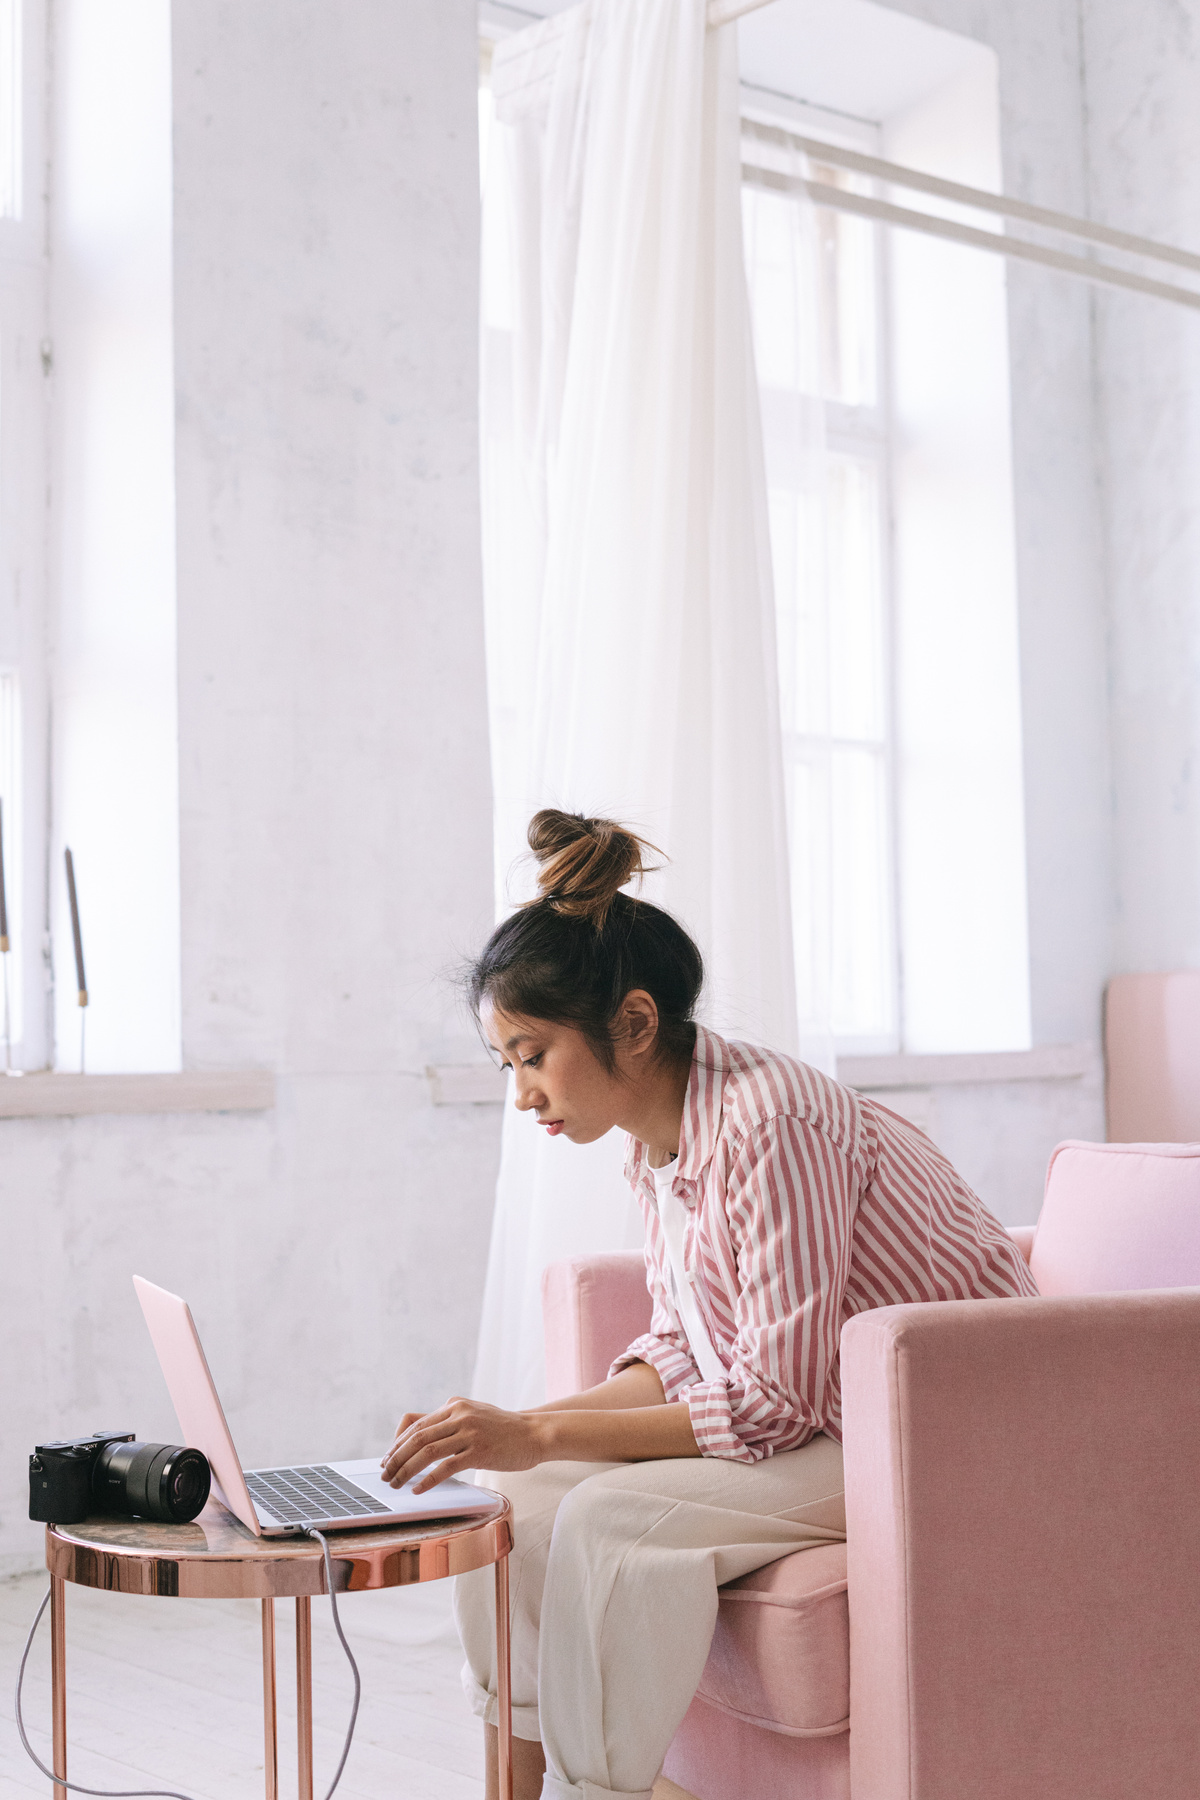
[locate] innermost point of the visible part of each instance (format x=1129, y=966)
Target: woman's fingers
x=408, y=1424
x=410, y=1420
x=403, y=1457
x=443, y=1472
x=464, y=1433
x=437, y=1450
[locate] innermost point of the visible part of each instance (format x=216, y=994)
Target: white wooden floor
x=168, y=1693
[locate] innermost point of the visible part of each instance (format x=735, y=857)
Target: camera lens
x=152, y=1481
x=184, y=1484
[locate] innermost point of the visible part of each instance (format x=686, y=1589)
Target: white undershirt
x=673, y=1218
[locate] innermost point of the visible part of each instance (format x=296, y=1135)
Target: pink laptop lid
x=202, y=1422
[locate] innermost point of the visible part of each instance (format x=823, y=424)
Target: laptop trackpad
x=447, y=1497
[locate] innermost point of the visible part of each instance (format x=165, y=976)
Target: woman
x=777, y=1205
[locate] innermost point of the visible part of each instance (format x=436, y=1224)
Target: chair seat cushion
x=780, y=1654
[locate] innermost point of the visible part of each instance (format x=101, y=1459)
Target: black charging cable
x=312, y=1532
x=173, y=1793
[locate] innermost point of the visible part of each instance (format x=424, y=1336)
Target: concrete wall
x=1142, y=138
x=999, y=1134
x=335, y=821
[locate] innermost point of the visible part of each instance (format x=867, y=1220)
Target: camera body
x=110, y=1472
x=60, y=1476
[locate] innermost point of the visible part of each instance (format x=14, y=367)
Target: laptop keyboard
x=310, y=1495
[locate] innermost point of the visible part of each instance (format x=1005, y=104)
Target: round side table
x=217, y=1558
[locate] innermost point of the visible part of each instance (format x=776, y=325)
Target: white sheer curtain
x=794, y=287
x=631, y=632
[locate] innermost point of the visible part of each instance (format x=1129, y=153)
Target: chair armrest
x=1023, y=1526
x=1023, y=1236
x=592, y=1308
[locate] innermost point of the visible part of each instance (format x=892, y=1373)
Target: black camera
x=110, y=1472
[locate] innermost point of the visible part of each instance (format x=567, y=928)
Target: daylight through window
x=816, y=300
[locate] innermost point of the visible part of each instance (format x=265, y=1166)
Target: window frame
x=866, y=433
x=912, y=1026
x=25, y=647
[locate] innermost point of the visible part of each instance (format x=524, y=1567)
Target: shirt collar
x=702, y=1108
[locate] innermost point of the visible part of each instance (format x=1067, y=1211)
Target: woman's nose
x=528, y=1095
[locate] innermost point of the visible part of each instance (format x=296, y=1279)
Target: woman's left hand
x=463, y=1434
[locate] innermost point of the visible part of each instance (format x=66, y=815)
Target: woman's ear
x=637, y=1022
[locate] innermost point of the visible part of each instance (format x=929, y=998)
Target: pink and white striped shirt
x=806, y=1204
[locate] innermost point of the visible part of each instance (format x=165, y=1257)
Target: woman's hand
x=624, y=1419
x=463, y=1434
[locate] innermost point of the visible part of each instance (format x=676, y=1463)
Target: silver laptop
x=276, y=1502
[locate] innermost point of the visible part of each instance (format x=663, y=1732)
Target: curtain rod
x=994, y=241
x=977, y=198
x=720, y=12
x=724, y=12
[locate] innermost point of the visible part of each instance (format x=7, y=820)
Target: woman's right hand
x=463, y=1434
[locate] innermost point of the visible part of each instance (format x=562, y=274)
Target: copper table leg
x=270, y=1733
x=504, y=1679
x=220, y=1559
x=58, y=1679
x=304, y=1714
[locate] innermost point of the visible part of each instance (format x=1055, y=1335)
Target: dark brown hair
x=573, y=954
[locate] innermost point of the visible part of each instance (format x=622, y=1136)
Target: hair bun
x=584, y=863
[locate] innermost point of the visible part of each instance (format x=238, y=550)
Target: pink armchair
x=1016, y=1614
x=1152, y=1056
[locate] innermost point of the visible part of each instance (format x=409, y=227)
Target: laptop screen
x=194, y=1395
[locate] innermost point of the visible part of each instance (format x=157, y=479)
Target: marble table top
x=216, y=1556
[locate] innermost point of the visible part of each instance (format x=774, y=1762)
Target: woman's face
x=557, y=1076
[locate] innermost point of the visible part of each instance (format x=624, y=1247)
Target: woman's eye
x=531, y=1062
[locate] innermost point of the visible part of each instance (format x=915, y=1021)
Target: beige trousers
x=614, y=1577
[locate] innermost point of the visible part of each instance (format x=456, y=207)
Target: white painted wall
x=999, y=1134
x=335, y=822
x=1143, y=151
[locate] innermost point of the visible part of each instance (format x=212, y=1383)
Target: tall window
x=10, y=109
x=23, y=488
x=11, y=992
x=882, y=358
x=817, y=301
x=10, y=751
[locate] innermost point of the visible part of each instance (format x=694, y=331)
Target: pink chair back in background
x=1119, y=1217
x=1152, y=1058
x=592, y=1308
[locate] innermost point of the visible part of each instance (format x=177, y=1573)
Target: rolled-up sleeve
x=790, y=1196
x=670, y=1359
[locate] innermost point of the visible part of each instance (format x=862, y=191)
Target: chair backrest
x=1118, y=1217
x=1152, y=1058
x=593, y=1307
